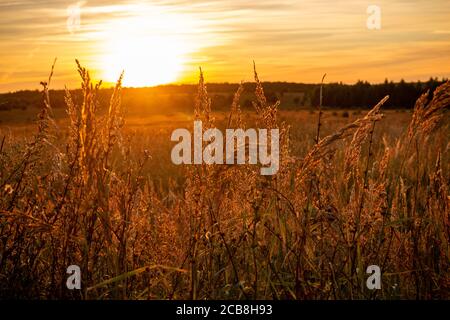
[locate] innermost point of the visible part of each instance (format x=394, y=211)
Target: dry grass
x=350, y=192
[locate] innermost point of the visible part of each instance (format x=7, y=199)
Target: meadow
x=96, y=188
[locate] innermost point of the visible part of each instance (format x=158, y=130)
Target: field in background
x=153, y=131
x=98, y=189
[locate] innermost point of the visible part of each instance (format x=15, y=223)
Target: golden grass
x=91, y=191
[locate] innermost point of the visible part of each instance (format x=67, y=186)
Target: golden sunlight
x=149, y=46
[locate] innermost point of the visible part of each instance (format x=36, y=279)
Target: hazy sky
x=166, y=40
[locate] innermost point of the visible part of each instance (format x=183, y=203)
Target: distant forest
x=170, y=98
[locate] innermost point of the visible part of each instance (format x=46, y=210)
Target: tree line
x=291, y=95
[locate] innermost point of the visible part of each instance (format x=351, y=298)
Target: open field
x=355, y=188
x=153, y=132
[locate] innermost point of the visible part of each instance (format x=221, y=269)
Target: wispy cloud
x=292, y=40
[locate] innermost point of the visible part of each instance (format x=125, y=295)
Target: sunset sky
x=166, y=41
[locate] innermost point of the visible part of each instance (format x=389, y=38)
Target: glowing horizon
x=165, y=41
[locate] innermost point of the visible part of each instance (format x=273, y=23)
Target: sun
x=146, y=61
x=149, y=47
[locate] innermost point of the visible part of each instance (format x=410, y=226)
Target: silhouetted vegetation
x=175, y=98
x=104, y=195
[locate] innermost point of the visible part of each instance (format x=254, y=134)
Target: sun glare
x=148, y=46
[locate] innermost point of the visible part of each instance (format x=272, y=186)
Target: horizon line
x=179, y=84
